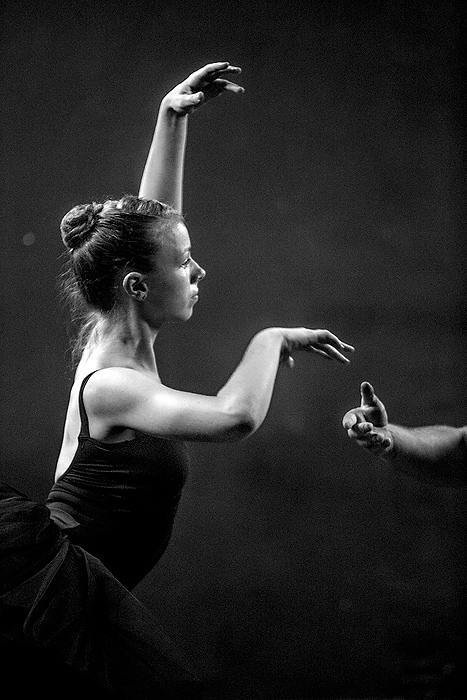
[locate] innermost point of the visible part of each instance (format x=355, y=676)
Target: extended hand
x=367, y=425
x=202, y=85
x=319, y=341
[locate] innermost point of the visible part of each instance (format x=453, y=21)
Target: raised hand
x=367, y=424
x=163, y=173
x=201, y=86
x=321, y=342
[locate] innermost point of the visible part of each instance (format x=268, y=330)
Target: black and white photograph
x=233, y=364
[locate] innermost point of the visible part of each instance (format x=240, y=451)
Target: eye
x=187, y=262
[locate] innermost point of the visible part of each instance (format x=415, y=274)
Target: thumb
x=368, y=394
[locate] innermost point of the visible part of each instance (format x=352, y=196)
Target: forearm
x=249, y=390
x=436, y=452
x=163, y=173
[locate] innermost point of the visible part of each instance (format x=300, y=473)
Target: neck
x=125, y=341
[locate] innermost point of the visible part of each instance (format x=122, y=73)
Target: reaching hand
x=202, y=85
x=321, y=342
x=367, y=425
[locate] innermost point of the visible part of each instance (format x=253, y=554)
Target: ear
x=135, y=286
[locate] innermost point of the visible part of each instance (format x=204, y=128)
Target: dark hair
x=103, y=239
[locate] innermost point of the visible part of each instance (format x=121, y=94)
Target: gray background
x=329, y=195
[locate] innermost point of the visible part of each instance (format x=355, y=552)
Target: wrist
x=167, y=110
x=272, y=334
x=389, y=452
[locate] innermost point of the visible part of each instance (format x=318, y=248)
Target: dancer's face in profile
x=173, y=282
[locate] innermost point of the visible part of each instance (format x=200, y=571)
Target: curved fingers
x=211, y=72
x=370, y=438
x=361, y=430
x=350, y=419
x=222, y=85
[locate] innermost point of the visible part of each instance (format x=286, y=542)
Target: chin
x=182, y=318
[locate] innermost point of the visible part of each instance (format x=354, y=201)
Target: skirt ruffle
x=56, y=596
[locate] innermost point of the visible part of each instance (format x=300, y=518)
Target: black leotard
x=118, y=500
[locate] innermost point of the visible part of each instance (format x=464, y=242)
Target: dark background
x=331, y=194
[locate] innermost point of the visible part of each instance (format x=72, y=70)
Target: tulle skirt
x=58, y=599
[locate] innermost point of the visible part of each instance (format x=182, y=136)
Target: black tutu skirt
x=61, y=602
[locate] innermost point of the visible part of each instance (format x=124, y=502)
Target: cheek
x=171, y=287
x=179, y=286
x=169, y=283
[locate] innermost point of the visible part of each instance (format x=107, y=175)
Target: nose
x=199, y=273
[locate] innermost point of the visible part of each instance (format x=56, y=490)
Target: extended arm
x=436, y=453
x=123, y=397
x=163, y=173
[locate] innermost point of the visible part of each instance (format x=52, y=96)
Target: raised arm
x=435, y=453
x=123, y=397
x=163, y=173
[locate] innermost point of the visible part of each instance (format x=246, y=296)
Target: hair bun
x=77, y=226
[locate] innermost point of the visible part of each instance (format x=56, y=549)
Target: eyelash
x=187, y=262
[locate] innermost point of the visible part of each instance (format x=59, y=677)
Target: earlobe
x=134, y=285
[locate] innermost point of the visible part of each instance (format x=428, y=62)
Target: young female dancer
x=123, y=461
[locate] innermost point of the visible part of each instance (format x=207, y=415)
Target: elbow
x=242, y=424
x=244, y=429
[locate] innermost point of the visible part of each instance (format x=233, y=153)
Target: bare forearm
x=163, y=173
x=436, y=452
x=249, y=389
x=248, y=392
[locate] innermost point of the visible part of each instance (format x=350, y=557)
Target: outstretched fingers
x=328, y=352
x=332, y=347
x=332, y=339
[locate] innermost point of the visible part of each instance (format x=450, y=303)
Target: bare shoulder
x=118, y=398
x=115, y=389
